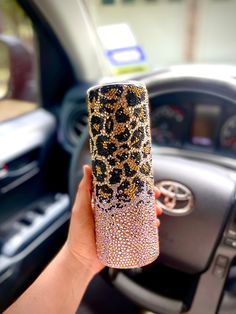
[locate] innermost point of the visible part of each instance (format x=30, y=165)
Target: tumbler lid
x=126, y=83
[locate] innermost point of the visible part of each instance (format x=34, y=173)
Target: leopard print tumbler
x=120, y=145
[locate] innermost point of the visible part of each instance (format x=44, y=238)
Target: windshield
x=149, y=34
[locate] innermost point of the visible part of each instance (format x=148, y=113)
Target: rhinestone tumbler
x=120, y=145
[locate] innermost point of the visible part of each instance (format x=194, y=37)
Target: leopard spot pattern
x=120, y=144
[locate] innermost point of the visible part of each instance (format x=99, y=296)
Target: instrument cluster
x=194, y=121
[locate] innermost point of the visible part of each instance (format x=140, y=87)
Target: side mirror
x=21, y=76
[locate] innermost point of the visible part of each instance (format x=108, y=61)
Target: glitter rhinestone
x=126, y=232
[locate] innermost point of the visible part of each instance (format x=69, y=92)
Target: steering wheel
x=193, y=241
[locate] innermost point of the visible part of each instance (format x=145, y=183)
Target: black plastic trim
x=146, y=298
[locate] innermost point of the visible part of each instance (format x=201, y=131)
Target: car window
x=165, y=32
x=18, y=88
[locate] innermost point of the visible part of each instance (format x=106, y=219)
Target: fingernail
x=84, y=171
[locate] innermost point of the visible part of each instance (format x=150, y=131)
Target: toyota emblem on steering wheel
x=176, y=199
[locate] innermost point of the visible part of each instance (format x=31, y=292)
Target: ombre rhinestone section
x=127, y=237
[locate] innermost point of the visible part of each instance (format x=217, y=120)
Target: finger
x=87, y=169
x=158, y=210
x=83, y=197
x=157, y=192
x=158, y=223
x=92, y=203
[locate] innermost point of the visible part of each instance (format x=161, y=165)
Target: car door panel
x=33, y=219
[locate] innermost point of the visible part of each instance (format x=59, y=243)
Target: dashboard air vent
x=73, y=117
x=77, y=121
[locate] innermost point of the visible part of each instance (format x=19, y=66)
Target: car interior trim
x=83, y=48
x=25, y=133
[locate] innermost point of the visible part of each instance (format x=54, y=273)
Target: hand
x=81, y=239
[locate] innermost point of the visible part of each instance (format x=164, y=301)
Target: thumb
x=83, y=196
